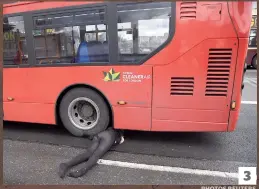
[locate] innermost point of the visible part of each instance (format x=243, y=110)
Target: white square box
x=247, y=175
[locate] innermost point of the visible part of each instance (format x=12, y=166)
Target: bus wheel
x=254, y=62
x=84, y=112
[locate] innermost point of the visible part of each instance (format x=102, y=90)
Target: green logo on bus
x=111, y=75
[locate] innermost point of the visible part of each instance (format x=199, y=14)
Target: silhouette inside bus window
x=101, y=143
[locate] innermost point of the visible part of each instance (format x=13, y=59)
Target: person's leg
x=87, y=165
x=107, y=139
x=100, y=151
x=63, y=168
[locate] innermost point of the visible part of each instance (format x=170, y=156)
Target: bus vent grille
x=218, y=72
x=188, y=10
x=182, y=86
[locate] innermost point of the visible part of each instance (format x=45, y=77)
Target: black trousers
x=99, y=146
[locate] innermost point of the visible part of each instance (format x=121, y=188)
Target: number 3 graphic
x=247, y=175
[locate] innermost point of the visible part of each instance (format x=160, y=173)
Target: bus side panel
x=211, y=21
x=236, y=96
x=197, y=86
x=132, y=118
x=188, y=126
x=32, y=86
x=32, y=6
x=241, y=13
x=29, y=112
x=214, y=116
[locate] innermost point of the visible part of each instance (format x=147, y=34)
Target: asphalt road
x=32, y=153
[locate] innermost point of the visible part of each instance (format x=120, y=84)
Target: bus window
x=89, y=36
x=95, y=33
x=81, y=40
x=96, y=42
x=15, y=50
x=142, y=29
x=53, y=45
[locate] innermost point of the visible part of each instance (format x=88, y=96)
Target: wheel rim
x=83, y=113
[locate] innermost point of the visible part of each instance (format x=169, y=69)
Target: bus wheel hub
x=83, y=113
x=86, y=111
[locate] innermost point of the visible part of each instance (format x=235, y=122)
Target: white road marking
x=251, y=81
x=168, y=169
x=254, y=80
x=249, y=102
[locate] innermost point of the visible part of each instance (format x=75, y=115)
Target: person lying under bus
x=100, y=144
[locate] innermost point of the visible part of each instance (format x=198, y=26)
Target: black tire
x=103, y=120
x=254, y=62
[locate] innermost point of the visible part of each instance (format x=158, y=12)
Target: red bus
x=251, y=59
x=150, y=66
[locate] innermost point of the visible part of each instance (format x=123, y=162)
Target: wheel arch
x=80, y=85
